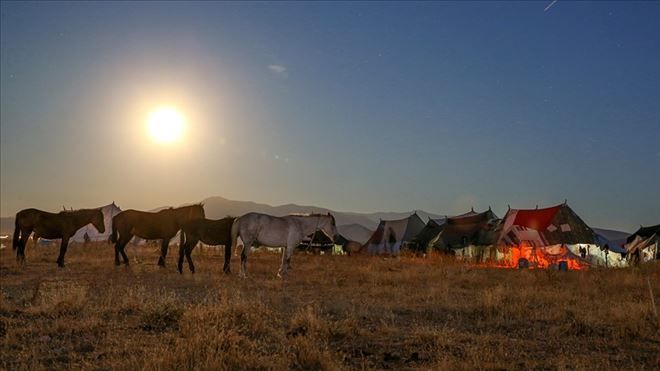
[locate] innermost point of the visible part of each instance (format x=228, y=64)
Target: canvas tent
x=642, y=246
x=547, y=236
x=610, y=245
x=469, y=229
x=89, y=233
x=423, y=241
x=470, y=237
x=319, y=241
x=391, y=235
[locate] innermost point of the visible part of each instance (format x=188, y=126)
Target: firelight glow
x=165, y=125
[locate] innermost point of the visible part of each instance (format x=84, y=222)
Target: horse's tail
x=113, y=236
x=17, y=234
x=232, y=247
x=234, y=233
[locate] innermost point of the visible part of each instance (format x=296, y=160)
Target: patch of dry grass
x=333, y=312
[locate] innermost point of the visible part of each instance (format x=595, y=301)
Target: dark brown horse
x=62, y=225
x=210, y=232
x=161, y=225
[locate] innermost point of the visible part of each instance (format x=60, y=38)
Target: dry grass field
x=333, y=312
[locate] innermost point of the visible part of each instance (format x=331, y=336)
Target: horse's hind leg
x=182, y=251
x=227, y=267
x=117, y=262
x=189, y=250
x=63, y=247
x=247, y=246
x=163, y=251
x=20, y=252
x=286, y=258
x=186, y=249
x=119, y=249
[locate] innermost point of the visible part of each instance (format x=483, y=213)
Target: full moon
x=165, y=125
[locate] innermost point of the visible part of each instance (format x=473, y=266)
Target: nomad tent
x=89, y=234
x=319, y=241
x=547, y=237
x=470, y=236
x=642, y=246
x=423, y=241
x=459, y=234
x=469, y=229
x=391, y=235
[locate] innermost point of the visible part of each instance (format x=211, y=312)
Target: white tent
x=391, y=235
x=109, y=211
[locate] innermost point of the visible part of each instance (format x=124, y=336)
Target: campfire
x=547, y=257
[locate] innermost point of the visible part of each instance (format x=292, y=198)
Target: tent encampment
x=392, y=235
x=89, y=233
x=545, y=237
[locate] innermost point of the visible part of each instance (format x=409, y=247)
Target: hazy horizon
x=363, y=107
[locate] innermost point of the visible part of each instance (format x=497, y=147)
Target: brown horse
x=210, y=232
x=62, y=225
x=161, y=225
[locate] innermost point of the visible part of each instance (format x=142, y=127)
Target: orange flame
x=540, y=258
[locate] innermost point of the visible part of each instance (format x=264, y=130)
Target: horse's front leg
x=163, y=251
x=63, y=247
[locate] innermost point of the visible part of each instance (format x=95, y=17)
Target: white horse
x=273, y=231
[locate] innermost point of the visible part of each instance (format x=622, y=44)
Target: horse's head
x=98, y=221
x=327, y=225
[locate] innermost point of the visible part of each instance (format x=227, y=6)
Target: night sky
x=352, y=106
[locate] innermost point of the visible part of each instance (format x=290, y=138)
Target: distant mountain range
x=219, y=207
x=352, y=225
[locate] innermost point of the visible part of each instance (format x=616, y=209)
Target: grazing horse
x=161, y=225
x=273, y=231
x=62, y=225
x=211, y=232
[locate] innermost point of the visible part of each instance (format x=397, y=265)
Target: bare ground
x=333, y=312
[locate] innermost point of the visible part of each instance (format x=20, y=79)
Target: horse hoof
x=117, y=263
x=60, y=265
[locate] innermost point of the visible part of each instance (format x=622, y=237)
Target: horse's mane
x=77, y=210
